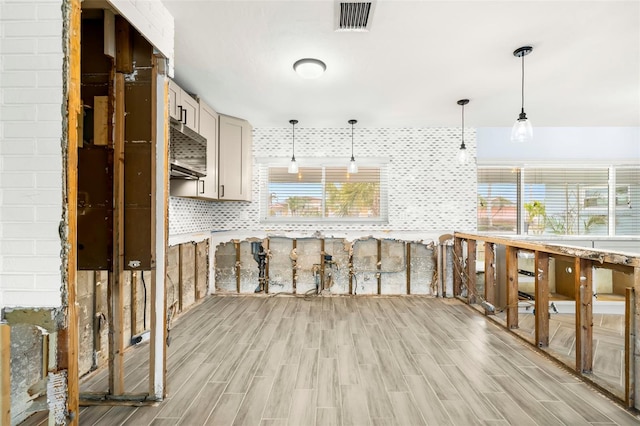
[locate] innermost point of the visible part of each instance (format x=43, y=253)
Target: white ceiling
x=417, y=60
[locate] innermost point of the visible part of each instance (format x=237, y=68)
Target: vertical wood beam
x=489, y=275
x=160, y=229
x=124, y=48
x=321, y=265
x=635, y=361
x=237, y=245
x=512, y=287
x=294, y=244
x=69, y=336
x=457, y=267
x=379, y=266
x=266, y=267
x=5, y=374
x=629, y=343
x=471, y=271
x=351, y=268
x=116, y=346
x=180, y=284
x=583, y=279
x=408, y=257
x=542, y=298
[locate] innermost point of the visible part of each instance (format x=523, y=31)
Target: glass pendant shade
x=522, y=130
x=463, y=155
x=353, y=166
x=293, y=166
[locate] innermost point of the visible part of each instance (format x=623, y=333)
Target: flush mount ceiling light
x=522, y=130
x=463, y=156
x=309, y=68
x=353, y=167
x=293, y=165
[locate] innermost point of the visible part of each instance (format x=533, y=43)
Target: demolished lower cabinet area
x=228, y=160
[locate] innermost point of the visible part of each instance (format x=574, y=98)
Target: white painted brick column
x=30, y=152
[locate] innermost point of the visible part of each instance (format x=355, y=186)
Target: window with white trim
x=325, y=193
x=559, y=200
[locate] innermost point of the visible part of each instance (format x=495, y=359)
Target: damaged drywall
x=327, y=265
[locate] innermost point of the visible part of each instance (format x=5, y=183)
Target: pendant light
x=293, y=165
x=522, y=130
x=463, y=155
x=353, y=167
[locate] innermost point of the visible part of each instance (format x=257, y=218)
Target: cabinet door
x=208, y=185
x=174, y=100
x=235, y=159
x=191, y=112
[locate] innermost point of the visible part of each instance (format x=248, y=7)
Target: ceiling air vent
x=353, y=16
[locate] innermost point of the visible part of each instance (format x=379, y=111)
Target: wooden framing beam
x=69, y=336
x=471, y=271
x=489, y=275
x=600, y=256
x=583, y=279
x=351, y=268
x=408, y=257
x=237, y=246
x=321, y=265
x=5, y=374
x=635, y=361
x=180, y=279
x=379, y=267
x=266, y=267
x=542, y=298
x=629, y=347
x=457, y=267
x=294, y=245
x=116, y=335
x=160, y=229
x=512, y=287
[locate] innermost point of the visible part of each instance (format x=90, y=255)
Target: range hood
x=187, y=152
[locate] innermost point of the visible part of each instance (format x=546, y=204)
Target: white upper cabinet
x=235, y=159
x=208, y=185
x=183, y=107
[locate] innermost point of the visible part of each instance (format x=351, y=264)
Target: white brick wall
x=428, y=190
x=30, y=154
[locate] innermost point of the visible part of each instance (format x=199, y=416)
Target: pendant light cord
x=522, y=86
x=351, y=141
x=462, y=125
x=293, y=139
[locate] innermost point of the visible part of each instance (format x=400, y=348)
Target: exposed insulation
x=309, y=254
x=280, y=274
x=423, y=269
x=226, y=267
x=365, y=266
x=188, y=274
x=202, y=268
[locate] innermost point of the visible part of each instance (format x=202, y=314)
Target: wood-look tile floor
x=357, y=361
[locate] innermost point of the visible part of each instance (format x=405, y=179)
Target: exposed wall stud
x=512, y=287
x=583, y=276
x=489, y=275
x=408, y=257
x=471, y=271
x=379, y=266
x=542, y=298
x=457, y=267
x=629, y=347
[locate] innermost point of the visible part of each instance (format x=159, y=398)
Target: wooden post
x=379, y=267
x=408, y=257
x=237, y=245
x=457, y=266
x=160, y=230
x=351, y=269
x=321, y=265
x=635, y=361
x=69, y=336
x=584, y=314
x=629, y=343
x=266, y=267
x=180, y=258
x=542, y=298
x=5, y=374
x=471, y=271
x=294, y=244
x=116, y=335
x=489, y=275
x=512, y=287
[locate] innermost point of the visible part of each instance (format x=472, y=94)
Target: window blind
x=627, y=202
x=498, y=200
